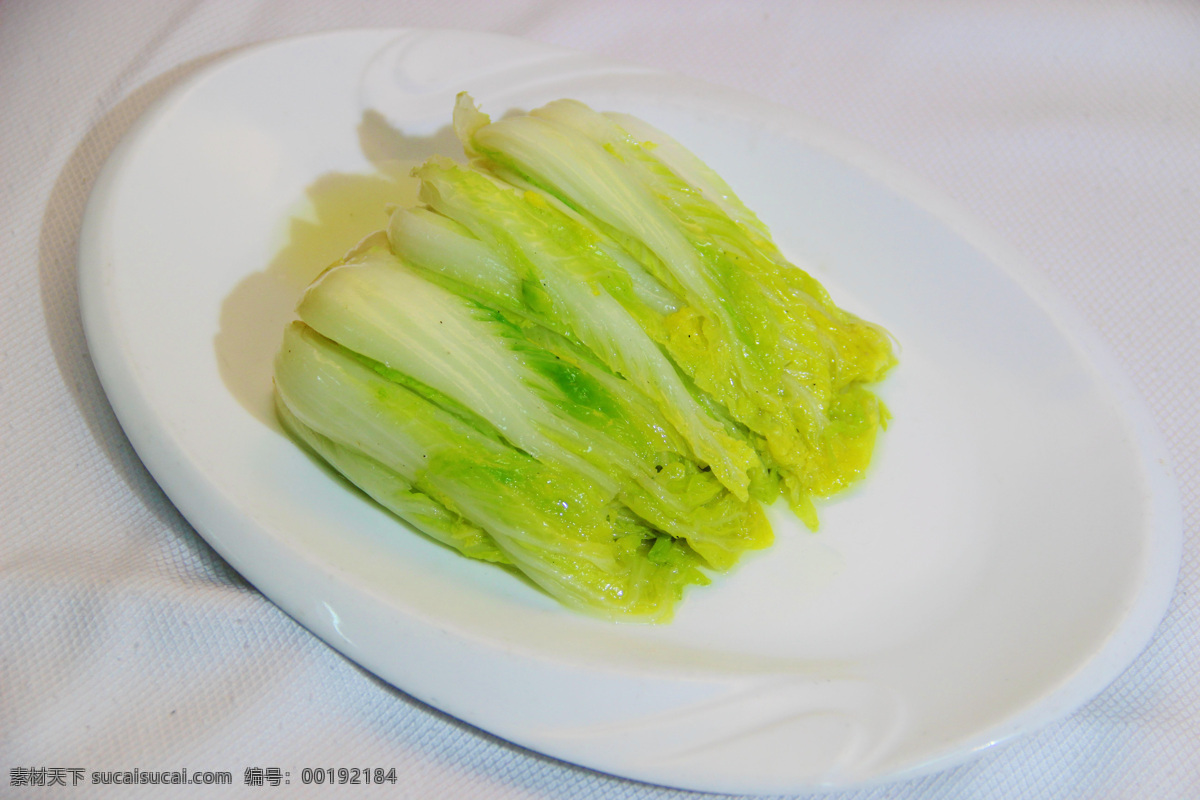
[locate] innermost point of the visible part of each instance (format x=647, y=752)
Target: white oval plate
x=1013, y=550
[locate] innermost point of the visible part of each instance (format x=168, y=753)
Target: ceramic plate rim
x=220, y=523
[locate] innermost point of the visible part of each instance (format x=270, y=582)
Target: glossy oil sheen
x=1011, y=551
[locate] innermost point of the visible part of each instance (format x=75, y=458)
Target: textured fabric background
x=1072, y=129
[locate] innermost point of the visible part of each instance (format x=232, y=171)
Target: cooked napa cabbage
x=584, y=358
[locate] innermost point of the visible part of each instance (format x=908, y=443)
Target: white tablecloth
x=1072, y=129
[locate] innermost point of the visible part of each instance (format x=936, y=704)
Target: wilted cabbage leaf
x=584, y=358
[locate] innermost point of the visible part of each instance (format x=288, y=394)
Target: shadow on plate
x=337, y=210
